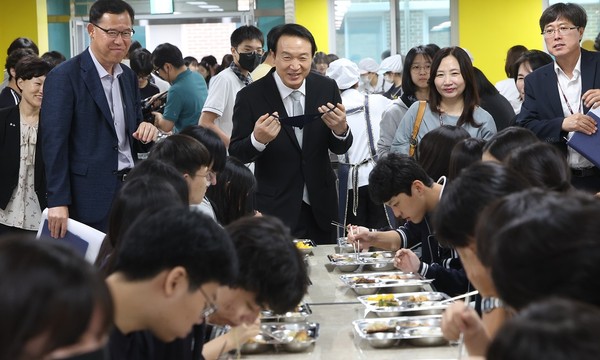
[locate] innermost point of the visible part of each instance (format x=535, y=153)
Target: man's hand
x=334, y=117
x=591, y=98
x=360, y=235
x=407, y=261
x=57, y=221
x=267, y=128
x=146, y=132
x=579, y=122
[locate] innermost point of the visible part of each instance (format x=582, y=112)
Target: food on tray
x=301, y=336
x=381, y=297
x=418, y=298
x=397, y=276
x=379, y=327
x=411, y=324
x=384, y=300
x=388, y=303
x=303, y=245
x=363, y=280
x=427, y=332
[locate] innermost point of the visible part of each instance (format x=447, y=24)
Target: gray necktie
x=296, y=103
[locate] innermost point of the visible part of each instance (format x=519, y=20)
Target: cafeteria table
x=334, y=306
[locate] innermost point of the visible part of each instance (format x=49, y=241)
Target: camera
x=157, y=105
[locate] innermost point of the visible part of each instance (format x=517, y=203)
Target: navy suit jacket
x=282, y=169
x=542, y=111
x=79, y=140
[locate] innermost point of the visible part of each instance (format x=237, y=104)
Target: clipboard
x=588, y=145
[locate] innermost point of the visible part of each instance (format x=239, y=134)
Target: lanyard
x=565, y=97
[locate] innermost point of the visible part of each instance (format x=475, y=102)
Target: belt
x=122, y=174
x=585, y=172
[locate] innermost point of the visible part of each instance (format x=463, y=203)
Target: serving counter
x=334, y=306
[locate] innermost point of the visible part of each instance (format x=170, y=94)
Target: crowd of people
x=201, y=175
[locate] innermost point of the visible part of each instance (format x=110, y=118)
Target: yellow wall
x=23, y=18
x=314, y=15
x=489, y=28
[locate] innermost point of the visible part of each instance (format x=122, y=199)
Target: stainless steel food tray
x=299, y=314
x=283, y=335
x=393, y=282
x=416, y=330
x=417, y=303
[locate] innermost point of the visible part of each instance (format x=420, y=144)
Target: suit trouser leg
x=308, y=228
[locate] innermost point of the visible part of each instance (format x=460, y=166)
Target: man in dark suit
x=90, y=122
x=295, y=180
x=558, y=95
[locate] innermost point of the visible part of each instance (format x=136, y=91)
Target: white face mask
x=389, y=78
x=365, y=79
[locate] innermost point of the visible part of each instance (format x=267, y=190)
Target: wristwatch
x=488, y=304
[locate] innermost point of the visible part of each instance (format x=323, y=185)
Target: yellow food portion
x=383, y=297
x=301, y=245
x=301, y=336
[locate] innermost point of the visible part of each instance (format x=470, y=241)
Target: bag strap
x=413, y=136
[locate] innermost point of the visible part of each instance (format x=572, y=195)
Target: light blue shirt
x=112, y=90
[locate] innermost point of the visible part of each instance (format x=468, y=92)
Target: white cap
x=367, y=65
x=344, y=72
x=394, y=63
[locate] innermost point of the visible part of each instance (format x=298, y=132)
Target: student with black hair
x=187, y=93
x=433, y=152
x=54, y=305
x=53, y=57
x=152, y=186
x=454, y=221
x=140, y=62
x=233, y=194
x=540, y=243
x=272, y=275
x=400, y=183
x=493, y=102
x=218, y=155
x=191, y=159
x=18, y=43
x=501, y=144
x=463, y=154
x=268, y=60
x=168, y=269
x=542, y=165
x=415, y=87
x=246, y=48
x=553, y=329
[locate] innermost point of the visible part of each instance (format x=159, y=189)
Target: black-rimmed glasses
x=209, y=308
x=113, y=34
x=563, y=30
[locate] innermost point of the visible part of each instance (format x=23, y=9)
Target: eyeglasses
x=419, y=68
x=211, y=177
x=209, y=308
x=113, y=34
x=563, y=30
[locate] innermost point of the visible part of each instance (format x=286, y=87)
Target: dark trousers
x=307, y=228
x=6, y=230
x=590, y=184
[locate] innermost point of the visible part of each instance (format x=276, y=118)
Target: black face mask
x=100, y=354
x=249, y=61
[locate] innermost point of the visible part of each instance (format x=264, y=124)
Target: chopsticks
x=461, y=339
x=466, y=295
x=337, y=224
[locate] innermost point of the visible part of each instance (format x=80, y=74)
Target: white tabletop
x=334, y=306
